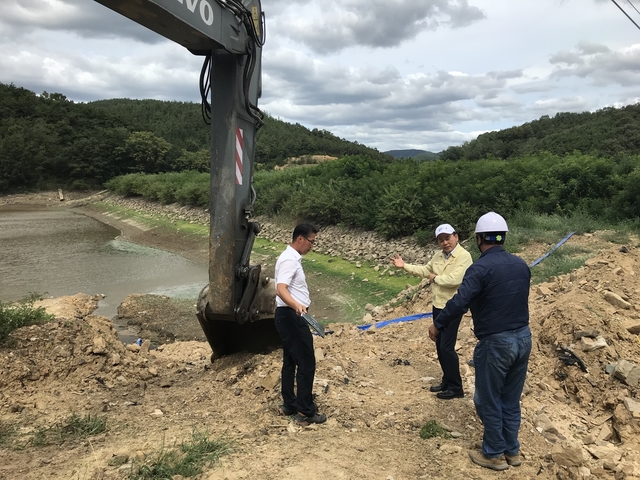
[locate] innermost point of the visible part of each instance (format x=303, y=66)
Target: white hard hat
x=445, y=228
x=491, y=222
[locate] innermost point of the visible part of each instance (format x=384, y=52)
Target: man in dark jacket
x=496, y=289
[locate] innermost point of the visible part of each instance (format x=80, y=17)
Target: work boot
x=305, y=421
x=513, y=460
x=498, y=463
x=287, y=411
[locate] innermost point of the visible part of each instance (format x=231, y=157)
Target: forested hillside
x=584, y=164
x=181, y=124
x=418, y=155
x=607, y=133
x=48, y=141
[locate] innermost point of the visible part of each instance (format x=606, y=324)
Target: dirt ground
x=372, y=385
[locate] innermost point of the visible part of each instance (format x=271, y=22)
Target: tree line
x=49, y=141
x=606, y=133
x=408, y=197
x=586, y=163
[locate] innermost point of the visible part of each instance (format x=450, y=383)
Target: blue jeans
x=501, y=362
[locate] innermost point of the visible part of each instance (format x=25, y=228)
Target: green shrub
x=433, y=429
x=187, y=461
x=21, y=314
x=198, y=161
x=194, y=193
x=188, y=188
x=399, y=211
x=72, y=428
x=423, y=237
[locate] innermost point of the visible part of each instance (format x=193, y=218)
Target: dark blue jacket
x=496, y=289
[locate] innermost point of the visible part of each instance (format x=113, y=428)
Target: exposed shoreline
x=191, y=247
x=156, y=317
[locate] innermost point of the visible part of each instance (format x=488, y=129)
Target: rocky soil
x=581, y=410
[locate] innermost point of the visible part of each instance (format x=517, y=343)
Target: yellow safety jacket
x=449, y=273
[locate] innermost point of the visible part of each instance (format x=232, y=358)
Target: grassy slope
x=343, y=287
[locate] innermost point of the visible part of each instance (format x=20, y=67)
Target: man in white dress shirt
x=292, y=300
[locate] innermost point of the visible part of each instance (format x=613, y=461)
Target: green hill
x=426, y=156
x=607, y=132
x=419, y=155
x=181, y=124
x=49, y=141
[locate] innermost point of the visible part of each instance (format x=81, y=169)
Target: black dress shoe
x=449, y=394
x=437, y=388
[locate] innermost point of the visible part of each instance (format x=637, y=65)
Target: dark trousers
x=447, y=356
x=298, y=360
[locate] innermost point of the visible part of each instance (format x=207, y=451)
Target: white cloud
x=330, y=26
x=391, y=74
x=87, y=19
x=601, y=65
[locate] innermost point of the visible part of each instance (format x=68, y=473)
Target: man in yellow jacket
x=445, y=271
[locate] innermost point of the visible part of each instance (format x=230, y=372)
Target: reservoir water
x=63, y=252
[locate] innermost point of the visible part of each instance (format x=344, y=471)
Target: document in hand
x=313, y=323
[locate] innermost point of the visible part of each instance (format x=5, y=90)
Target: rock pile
x=333, y=240
x=583, y=384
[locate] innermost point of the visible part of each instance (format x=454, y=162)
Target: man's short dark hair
x=493, y=238
x=304, y=229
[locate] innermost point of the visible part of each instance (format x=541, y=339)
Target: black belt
x=291, y=308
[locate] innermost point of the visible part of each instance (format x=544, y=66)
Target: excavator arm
x=198, y=25
x=236, y=308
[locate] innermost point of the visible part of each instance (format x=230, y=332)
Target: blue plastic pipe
x=409, y=318
x=559, y=244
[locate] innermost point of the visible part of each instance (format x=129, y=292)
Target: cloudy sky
x=391, y=74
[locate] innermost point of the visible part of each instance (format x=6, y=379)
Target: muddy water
x=62, y=252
